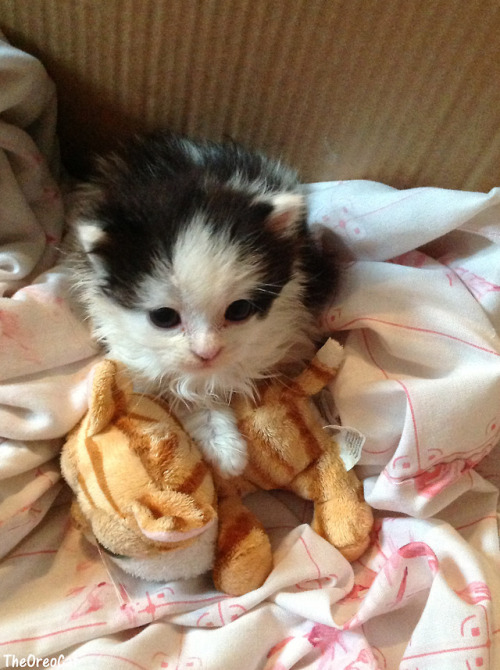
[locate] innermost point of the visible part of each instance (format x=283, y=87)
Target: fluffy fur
x=196, y=268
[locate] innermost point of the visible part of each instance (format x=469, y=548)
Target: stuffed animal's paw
x=244, y=556
x=347, y=529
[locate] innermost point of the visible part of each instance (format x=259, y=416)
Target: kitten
x=196, y=268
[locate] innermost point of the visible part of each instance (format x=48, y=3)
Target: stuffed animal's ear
x=159, y=514
x=109, y=391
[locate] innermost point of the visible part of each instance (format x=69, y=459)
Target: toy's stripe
x=312, y=379
x=141, y=417
x=259, y=477
x=308, y=440
x=233, y=534
x=86, y=492
x=185, y=512
x=267, y=468
x=155, y=461
x=119, y=397
x=194, y=479
x=96, y=459
x=157, y=510
x=322, y=371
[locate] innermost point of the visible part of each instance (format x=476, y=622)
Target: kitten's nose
x=206, y=348
x=207, y=354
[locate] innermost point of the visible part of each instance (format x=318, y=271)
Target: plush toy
x=288, y=448
x=143, y=492
x=144, y=495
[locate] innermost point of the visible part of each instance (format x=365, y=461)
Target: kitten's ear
x=93, y=240
x=287, y=216
x=90, y=235
x=82, y=205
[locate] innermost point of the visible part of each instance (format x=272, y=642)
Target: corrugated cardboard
x=402, y=91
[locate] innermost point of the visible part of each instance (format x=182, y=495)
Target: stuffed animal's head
x=142, y=489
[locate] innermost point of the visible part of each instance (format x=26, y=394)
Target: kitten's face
x=211, y=315
x=194, y=263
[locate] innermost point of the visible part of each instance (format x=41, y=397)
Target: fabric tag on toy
x=350, y=443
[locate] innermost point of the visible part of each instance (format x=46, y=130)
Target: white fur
x=206, y=274
x=217, y=435
x=90, y=234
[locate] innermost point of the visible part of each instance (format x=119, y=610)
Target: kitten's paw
x=218, y=437
x=229, y=456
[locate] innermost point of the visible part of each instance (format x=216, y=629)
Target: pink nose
x=206, y=353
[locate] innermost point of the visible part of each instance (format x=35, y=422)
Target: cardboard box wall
x=402, y=91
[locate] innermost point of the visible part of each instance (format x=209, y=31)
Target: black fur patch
x=150, y=191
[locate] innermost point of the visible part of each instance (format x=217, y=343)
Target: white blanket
x=420, y=314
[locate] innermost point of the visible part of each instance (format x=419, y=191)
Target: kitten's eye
x=239, y=310
x=165, y=317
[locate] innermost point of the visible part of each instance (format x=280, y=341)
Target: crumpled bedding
x=419, y=313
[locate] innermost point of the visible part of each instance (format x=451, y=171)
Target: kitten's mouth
x=203, y=365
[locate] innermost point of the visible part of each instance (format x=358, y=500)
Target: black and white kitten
x=196, y=268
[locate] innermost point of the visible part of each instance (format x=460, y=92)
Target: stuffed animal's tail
x=322, y=368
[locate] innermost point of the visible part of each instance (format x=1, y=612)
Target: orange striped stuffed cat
x=141, y=489
x=288, y=448
x=144, y=494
